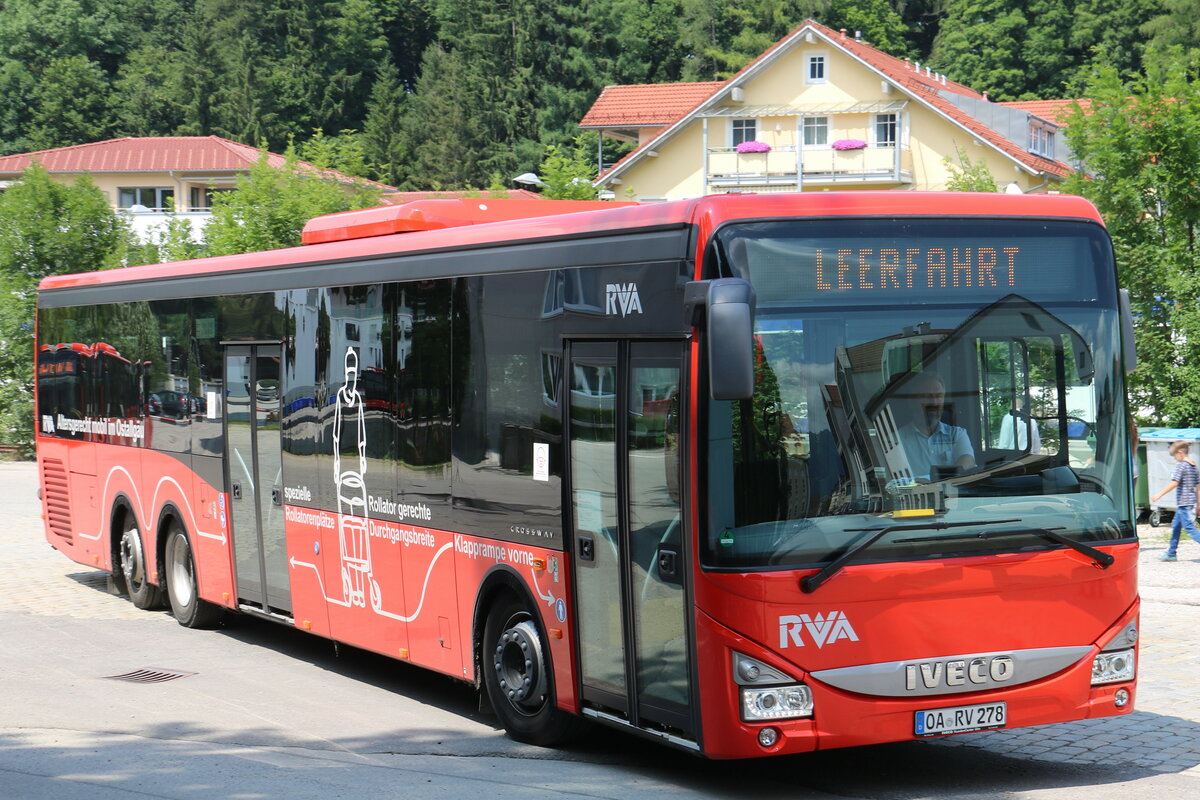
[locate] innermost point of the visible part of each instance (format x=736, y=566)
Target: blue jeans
x=1185, y=519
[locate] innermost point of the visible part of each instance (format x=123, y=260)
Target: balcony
x=785, y=169
x=150, y=224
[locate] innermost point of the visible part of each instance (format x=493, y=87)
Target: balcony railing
x=785, y=167
x=148, y=225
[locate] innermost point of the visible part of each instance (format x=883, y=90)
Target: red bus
x=747, y=474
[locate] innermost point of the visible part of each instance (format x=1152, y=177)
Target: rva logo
x=821, y=629
x=623, y=299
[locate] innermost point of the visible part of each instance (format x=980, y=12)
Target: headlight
x=1113, y=667
x=776, y=702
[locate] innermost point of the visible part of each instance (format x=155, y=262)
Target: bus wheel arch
x=179, y=578
x=514, y=664
x=132, y=560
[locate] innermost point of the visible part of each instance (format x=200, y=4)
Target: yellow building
x=818, y=110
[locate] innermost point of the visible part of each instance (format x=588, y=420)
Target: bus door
x=254, y=464
x=628, y=548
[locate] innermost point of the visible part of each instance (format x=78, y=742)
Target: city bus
x=746, y=475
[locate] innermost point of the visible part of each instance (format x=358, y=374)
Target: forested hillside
x=450, y=93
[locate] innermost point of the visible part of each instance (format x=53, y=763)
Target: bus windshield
x=917, y=371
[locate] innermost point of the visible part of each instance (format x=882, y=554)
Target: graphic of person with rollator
x=352, y=488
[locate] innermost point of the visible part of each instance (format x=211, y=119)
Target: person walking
x=1183, y=481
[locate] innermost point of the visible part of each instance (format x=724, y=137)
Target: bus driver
x=927, y=441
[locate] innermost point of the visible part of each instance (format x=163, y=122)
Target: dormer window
x=742, y=130
x=815, y=71
x=1041, y=138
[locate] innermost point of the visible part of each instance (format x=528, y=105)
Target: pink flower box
x=754, y=147
x=849, y=144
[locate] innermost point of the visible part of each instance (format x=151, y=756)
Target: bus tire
x=142, y=593
x=518, y=676
x=182, y=590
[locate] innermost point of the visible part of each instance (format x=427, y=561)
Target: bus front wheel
x=516, y=672
x=182, y=590
x=133, y=568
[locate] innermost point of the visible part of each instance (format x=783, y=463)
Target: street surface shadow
x=982, y=765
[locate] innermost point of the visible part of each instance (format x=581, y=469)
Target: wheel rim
x=520, y=670
x=181, y=572
x=133, y=565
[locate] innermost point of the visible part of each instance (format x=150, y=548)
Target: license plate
x=960, y=719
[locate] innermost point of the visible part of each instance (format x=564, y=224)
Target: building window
x=146, y=198
x=742, y=130
x=816, y=69
x=887, y=127
x=200, y=197
x=816, y=131
x=1041, y=138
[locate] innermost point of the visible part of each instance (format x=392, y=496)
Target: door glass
x=655, y=528
x=266, y=404
x=242, y=478
x=593, y=385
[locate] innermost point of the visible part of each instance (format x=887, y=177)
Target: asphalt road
x=255, y=710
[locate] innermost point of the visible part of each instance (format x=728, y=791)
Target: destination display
x=933, y=261
x=862, y=268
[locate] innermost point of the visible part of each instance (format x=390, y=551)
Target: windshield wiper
x=1103, y=560
x=813, y=582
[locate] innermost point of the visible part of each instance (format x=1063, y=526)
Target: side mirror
x=728, y=321
x=1127, y=341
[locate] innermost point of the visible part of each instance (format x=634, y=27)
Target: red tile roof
x=189, y=154
x=647, y=104
x=922, y=83
x=396, y=198
x=1056, y=111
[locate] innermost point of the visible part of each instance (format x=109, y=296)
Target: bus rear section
x=916, y=520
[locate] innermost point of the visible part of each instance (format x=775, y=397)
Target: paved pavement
x=44, y=591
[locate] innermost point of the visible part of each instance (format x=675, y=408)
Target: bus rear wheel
x=516, y=672
x=182, y=589
x=133, y=568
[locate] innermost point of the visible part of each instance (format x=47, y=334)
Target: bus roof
x=434, y=214
x=449, y=225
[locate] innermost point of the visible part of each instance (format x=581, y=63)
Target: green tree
x=1143, y=172
x=345, y=152
x=46, y=228
x=70, y=104
x=269, y=207
x=443, y=125
x=1178, y=24
x=383, y=131
x=200, y=80
x=969, y=176
x=980, y=44
x=568, y=174
x=146, y=93
x=1032, y=49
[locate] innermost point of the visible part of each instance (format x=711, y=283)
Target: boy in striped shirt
x=1183, y=481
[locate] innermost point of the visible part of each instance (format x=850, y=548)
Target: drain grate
x=150, y=675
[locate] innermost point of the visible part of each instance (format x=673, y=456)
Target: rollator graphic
x=353, y=535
